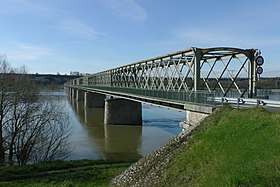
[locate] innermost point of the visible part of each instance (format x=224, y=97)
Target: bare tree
x=32, y=128
x=54, y=145
x=22, y=102
x=4, y=103
x=43, y=134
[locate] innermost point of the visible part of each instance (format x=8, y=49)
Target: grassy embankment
x=62, y=173
x=231, y=148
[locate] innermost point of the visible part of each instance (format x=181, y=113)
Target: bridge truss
x=227, y=72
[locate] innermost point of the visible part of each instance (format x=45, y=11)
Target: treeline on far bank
x=55, y=82
x=47, y=81
x=269, y=83
x=50, y=81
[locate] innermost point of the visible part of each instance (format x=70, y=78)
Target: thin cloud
x=128, y=10
x=47, y=11
x=220, y=38
x=77, y=28
x=206, y=37
x=25, y=7
x=28, y=52
x=260, y=14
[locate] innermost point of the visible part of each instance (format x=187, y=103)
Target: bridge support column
x=80, y=95
x=122, y=112
x=94, y=100
x=194, y=115
x=79, y=106
x=69, y=92
x=73, y=94
x=194, y=118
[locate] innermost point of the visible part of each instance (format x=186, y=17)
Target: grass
x=231, y=148
x=62, y=173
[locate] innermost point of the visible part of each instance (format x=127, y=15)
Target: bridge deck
x=169, y=103
x=180, y=100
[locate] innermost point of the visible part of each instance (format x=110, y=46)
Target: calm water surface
x=91, y=139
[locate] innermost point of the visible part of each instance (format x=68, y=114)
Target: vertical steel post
x=111, y=78
x=196, y=71
x=237, y=104
x=252, y=74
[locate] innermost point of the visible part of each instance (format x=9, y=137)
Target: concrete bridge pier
x=67, y=90
x=122, y=112
x=73, y=94
x=94, y=100
x=194, y=115
x=79, y=106
x=80, y=95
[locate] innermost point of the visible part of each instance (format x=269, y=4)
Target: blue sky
x=50, y=36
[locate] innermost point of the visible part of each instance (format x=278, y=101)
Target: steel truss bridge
x=191, y=75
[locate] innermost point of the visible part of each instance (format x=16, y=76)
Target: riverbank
x=63, y=173
x=230, y=148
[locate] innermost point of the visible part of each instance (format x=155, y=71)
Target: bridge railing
x=245, y=102
x=201, y=97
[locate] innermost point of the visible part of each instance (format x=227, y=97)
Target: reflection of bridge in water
x=189, y=80
x=113, y=142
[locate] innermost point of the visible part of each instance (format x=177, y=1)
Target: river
x=91, y=139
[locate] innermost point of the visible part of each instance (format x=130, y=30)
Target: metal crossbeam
x=223, y=71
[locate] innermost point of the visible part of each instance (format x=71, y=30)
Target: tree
x=32, y=128
x=42, y=133
x=4, y=102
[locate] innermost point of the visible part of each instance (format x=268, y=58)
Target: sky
x=89, y=36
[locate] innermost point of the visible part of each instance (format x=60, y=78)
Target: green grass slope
x=231, y=148
x=81, y=173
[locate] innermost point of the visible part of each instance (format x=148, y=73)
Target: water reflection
x=92, y=139
x=122, y=141
x=115, y=142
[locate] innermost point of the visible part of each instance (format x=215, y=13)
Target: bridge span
x=189, y=80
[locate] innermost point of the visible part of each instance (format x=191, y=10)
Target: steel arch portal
x=226, y=72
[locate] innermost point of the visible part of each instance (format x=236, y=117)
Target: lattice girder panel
x=212, y=74
x=138, y=72
x=213, y=69
x=228, y=71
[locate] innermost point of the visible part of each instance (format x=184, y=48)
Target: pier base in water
x=80, y=95
x=122, y=112
x=94, y=100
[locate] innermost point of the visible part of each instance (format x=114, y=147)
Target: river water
x=91, y=139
